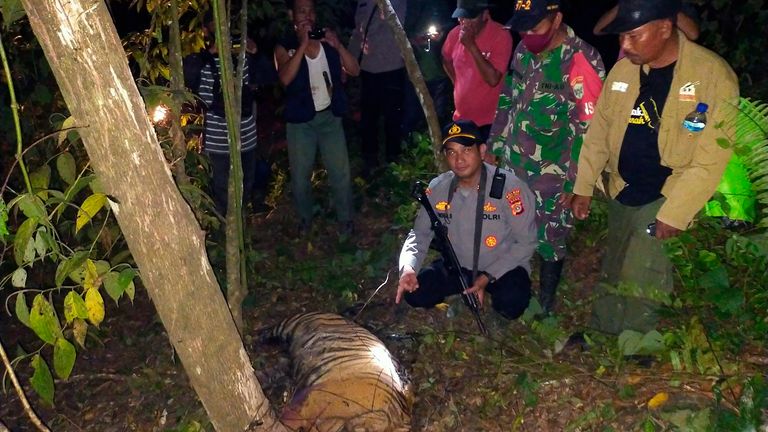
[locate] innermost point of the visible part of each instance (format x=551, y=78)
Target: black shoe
x=549, y=279
x=576, y=342
x=643, y=361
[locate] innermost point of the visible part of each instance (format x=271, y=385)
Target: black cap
x=528, y=13
x=464, y=132
x=635, y=13
x=469, y=8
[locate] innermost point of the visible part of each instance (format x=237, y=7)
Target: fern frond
x=746, y=128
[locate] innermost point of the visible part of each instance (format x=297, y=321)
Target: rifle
x=449, y=254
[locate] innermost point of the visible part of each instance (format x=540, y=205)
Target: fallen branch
x=20, y=391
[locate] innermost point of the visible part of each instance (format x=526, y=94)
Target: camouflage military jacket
x=545, y=107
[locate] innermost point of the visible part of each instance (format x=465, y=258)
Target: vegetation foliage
x=63, y=252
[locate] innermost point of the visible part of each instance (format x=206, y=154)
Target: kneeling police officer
x=489, y=214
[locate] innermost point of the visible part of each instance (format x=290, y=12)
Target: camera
x=316, y=33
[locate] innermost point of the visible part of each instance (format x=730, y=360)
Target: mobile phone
x=316, y=34
x=651, y=229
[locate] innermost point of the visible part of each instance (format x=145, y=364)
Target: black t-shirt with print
x=639, y=161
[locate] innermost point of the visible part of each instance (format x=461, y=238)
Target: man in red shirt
x=475, y=56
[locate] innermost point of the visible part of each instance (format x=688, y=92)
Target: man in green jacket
x=659, y=173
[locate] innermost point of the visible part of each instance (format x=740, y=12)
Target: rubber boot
x=549, y=278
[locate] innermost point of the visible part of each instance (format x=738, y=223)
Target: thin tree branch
x=20, y=392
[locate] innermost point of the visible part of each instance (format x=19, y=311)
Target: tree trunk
x=414, y=73
x=87, y=58
x=178, y=141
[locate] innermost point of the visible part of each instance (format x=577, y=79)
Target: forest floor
x=516, y=379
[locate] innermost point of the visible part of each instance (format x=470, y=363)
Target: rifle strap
x=364, y=41
x=478, y=215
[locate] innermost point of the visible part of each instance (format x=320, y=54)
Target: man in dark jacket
x=310, y=64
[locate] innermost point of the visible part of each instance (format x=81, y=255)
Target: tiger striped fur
x=346, y=379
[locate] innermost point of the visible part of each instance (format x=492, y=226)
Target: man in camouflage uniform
x=544, y=109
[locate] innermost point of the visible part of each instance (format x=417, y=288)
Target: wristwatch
x=491, y=279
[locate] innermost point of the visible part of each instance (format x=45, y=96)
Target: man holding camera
x=310, y=63
x=489, y=214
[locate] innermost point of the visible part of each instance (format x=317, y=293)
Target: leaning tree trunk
x=414, y=73
x=87, y=58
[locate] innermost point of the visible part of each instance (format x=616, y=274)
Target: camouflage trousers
x=553, y=221
x=637, y=275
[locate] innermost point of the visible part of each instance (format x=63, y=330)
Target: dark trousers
x=441, y=91
x=381, y=95
x=510, y=293
x=220, y=177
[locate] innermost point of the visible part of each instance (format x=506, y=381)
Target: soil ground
x=130, y=380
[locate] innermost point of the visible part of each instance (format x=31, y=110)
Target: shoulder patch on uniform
x=619, y=86
x=442, y=206
x=577, y=84
x=515, y=201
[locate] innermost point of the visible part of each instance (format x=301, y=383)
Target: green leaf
x=74, y=307
x=91, y=276
x=717, y=290
x=40, y=179
x=42, y=380
x=32, y=206
x=723, y=142
x=88, y=210
x=12, y=11
x=63, y=358
x=3, y=219
x=66, y=127
x=19, y=278
x=69, y=265
x=23, y=237
x=651, y=343
x=43, y=320
x=22, y=310
x=126, y=282
x=77, y=186
x=41, y=245
x=629, y=342
x=130, y=291
x=79, y=331
x=95, y=305
x=67, y=167
x=50, y=243
x=112, y=286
